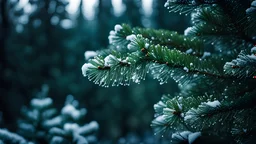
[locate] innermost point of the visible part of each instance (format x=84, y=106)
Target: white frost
x=109, y=60
x=187, y=31
x=118, y=27
x=146, y=45
x=41, y=103
x=88, y=128
x=213, y=104
x=53, y=122
x=159, y=105
x=87, y=66
x=131, y=37
x=186, y=136
x=181, y=136
x=252, y=56
x=71, y=111
x=206, y=54
x=13, y=137
x=126, y=60
x=136, y=79
x=70, y=127
x=111, y=39
x=192, y=137
x=112, y=32
x=180, y=106
x=112, y=36
x=253, y=3
x=166, y=3
x=186, y=69
x=168, y=110
x=160, y=118
x=187, y=117
x=89, y=54
x=253, y=49
x=189, y=51
x=131, y=47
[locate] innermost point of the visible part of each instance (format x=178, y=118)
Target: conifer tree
x=213, y=62
x=42, y=123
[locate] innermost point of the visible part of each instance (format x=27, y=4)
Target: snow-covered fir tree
x=41, y=123
x=213, y=62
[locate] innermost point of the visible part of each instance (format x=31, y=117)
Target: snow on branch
x=242, y=67
x=121, y=68
x=126, y=35
x=12, y=138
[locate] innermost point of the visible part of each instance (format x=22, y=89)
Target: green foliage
x=42, y=123
x=211, y=21
x=220, y=24
x=242, y=67
x=217, y=96
x=186, y=6
x=37, y=47
x=251, y=13
x=122, y=68
x=122, y=37
x=170, y=113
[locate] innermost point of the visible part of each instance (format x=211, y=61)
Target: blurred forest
x=43, y=42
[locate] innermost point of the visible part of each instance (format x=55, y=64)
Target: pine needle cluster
x=213, y=62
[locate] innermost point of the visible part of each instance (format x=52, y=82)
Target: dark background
x=43, y=42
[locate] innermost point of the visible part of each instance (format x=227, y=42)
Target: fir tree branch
x=211, y=21
x=117, y=69
x=236, y=10
x=242, y=67
x=8, y=137
x=242, y=135
x=122, y=36
x=170, y=113
x=251, y=16
x=215, y=26
x=170, y=116
x=176, y=59
x=186, y=6
x=233, y=23
x=214, y=114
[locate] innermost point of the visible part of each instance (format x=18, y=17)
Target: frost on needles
x=214, y=63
